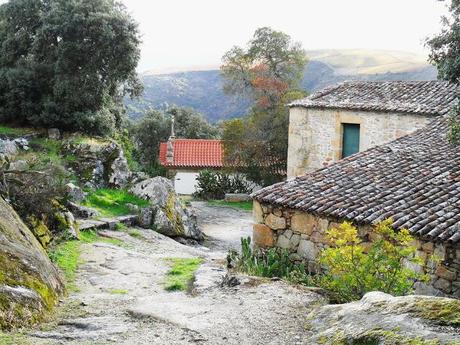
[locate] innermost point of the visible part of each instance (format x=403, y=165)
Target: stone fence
x=303, y=235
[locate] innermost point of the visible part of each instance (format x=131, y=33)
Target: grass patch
x=135, y=234
x=118, y=291
x=120, y=227
x=241, y=205
x=4, y=130
x=67, y=254
x=182, y=273
x=13, y=339
x=47, y=150
x=113, y=202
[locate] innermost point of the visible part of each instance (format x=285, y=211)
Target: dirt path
x=121, y=298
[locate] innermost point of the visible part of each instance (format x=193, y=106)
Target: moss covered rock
x=168, y=216
x=29, y=283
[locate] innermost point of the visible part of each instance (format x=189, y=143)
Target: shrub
x=352, y=269
x=270, y=263
x=215, y=184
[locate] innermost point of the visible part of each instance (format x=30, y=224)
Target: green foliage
x=242, y=205
x=14, y=131
x=182, y=273
x=155, y=127
x=67, y=63
x=13, y=339
x=269, y=72
x=269, y=263
x=135, y=233
x=215, y=184
x=113, y=202
x=66, y=256
x=445, y=47
x=128, y=147
x=353, y=269
x=454, y=125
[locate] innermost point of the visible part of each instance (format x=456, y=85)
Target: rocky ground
x=120, y=298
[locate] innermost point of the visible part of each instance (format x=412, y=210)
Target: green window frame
x=350, y=139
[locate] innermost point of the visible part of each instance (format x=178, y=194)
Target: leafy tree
x=269, y=72
x=352, y=269
x=445, y=53
x=67, y=63
x=155, y=127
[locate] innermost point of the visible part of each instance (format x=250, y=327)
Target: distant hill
x=202, y=89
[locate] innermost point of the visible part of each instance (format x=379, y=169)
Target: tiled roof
x=415, y=180
x=194, y=153
x=415, y=97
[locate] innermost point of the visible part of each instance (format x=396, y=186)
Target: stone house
x=185, y=158
x=354, y=116
x=415, y=180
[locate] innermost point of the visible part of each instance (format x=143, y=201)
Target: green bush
x=269, y=263
x=352, y=269
x=214, y=185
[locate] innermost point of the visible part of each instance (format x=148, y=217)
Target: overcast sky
x=184, y=33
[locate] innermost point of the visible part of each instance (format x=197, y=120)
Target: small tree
x=353, y=269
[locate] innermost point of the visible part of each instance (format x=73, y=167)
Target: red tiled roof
x=199, y=153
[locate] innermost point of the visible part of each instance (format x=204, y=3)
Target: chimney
x=170, y=144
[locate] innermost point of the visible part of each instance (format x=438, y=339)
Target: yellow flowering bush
x=352, y=268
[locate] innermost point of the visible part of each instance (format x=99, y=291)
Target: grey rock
x=294, y=241
x=74, y=192
x=146, y=217
x=283, y=242
x=169, y=216
x=20, y=165
x=307, y=250
x=237, y=197
x=8, y=147
x=82, y=211
x=54, y=133
x=120, y=174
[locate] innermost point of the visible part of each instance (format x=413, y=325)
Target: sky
x=186, y=34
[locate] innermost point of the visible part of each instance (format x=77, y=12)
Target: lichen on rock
x=29, y=283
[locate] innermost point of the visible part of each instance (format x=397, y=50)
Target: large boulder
x=166, y=213
x=99, y=163
x=379, y=318
x=29, y=283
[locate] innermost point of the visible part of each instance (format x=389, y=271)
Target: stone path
x=120, y=298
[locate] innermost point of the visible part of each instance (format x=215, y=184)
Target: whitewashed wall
x=185, y=182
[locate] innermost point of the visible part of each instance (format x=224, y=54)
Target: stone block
x=237, y=197
x=294, y=241
x=443, y=285
x=428, y=247
x=445, y=273
x=413, y=266
x=275, y=223
x=323, y=224
x=277, y=212
x=307, y=250
x=303, y=222
x=257, y=212
x=440, y=251
x=263, y=236
x=283, y=242
x=288, y=234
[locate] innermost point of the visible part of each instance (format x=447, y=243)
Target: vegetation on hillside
x=268, y=72
x=67, y=64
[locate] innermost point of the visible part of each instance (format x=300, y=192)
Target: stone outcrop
x=379, y=318
x=29, y=283
x=166, y=214
x=99, y=163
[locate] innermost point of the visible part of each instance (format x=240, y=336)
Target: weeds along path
x=121, y=294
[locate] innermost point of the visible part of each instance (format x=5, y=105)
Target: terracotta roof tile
x=415, y=180
x=194, y=153
x=415, y=97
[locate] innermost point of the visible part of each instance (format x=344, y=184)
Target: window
x=350, y=139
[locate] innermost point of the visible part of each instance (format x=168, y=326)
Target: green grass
x=135, y=234
x=112, y=202
x=181, y=274
x=67, y=254
x=241, y=205
x=13, y=339
x=47, y=150
x=4, y=130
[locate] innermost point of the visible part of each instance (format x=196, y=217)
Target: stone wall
x=315, y=135
x=303, y=235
